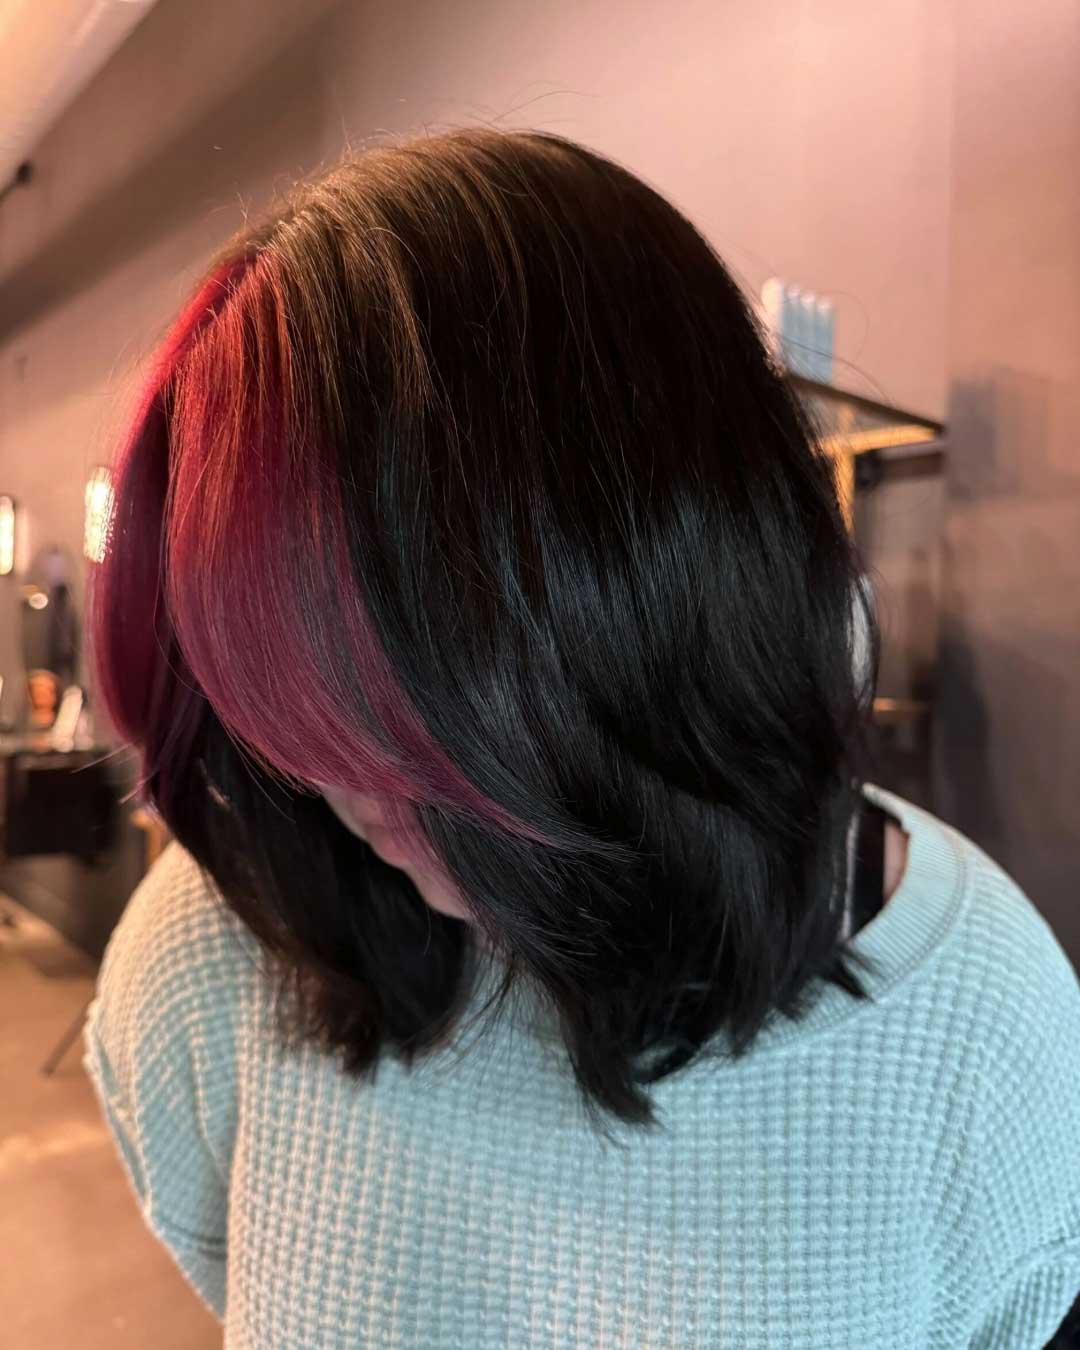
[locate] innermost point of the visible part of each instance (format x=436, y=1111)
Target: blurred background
x=896, y=187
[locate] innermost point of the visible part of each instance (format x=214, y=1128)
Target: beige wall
x=807, y=140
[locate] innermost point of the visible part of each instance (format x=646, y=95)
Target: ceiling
x=49, y=51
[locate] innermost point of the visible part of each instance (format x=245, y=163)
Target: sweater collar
x=908, y=929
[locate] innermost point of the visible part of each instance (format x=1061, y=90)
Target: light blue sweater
x=882, y=1176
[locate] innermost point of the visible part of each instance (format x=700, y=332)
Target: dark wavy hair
x=467, y=480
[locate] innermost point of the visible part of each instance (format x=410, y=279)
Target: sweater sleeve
x=1029, y=1207
x=146, y=1052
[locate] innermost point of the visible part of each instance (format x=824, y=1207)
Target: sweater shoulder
x=990, y=938
x=1023, y=975
x=1024, y=1057
x=179, y=901
x=177, y=953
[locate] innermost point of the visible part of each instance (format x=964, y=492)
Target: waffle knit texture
x=899, y=1173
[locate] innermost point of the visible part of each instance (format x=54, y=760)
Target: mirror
x=49, y=635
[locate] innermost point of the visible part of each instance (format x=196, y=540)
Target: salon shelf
x=891, y=712
x=854, y=428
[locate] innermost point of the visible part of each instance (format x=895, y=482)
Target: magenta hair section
x=229, y=573
x=148, y=695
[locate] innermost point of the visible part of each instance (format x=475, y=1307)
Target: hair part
x=467, y=480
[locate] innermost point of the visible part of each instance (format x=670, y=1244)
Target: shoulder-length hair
x=467, y=481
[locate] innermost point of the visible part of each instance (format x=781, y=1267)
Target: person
x=43, y=688
x=478, y=598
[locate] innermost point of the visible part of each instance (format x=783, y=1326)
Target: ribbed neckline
x=904, y=933
x=898, y=940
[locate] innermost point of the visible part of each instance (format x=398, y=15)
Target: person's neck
x=896, y=851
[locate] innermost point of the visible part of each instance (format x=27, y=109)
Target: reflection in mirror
x=7, y=535
x=44, y=691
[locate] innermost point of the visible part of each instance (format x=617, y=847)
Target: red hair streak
x=229, y=576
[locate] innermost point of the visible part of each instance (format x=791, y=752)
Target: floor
x=77, y=1266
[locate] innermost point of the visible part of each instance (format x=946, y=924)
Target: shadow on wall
x=1007, y=766
x=968, y=799
x=267, y=127
x=1004, y=430
x=1005, y=760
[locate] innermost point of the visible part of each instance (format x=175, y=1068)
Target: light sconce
x=99, y=503
x=7, y=536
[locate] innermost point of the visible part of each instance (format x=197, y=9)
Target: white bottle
x=790, y=328
x=827, y=325
x=808, y=334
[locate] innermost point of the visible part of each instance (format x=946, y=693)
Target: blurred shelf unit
x=869, y=440
x=875, y=447
x=893, y=712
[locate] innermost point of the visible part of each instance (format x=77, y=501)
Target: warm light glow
x=7, y=536
x=99, y=503
x=37, y=600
